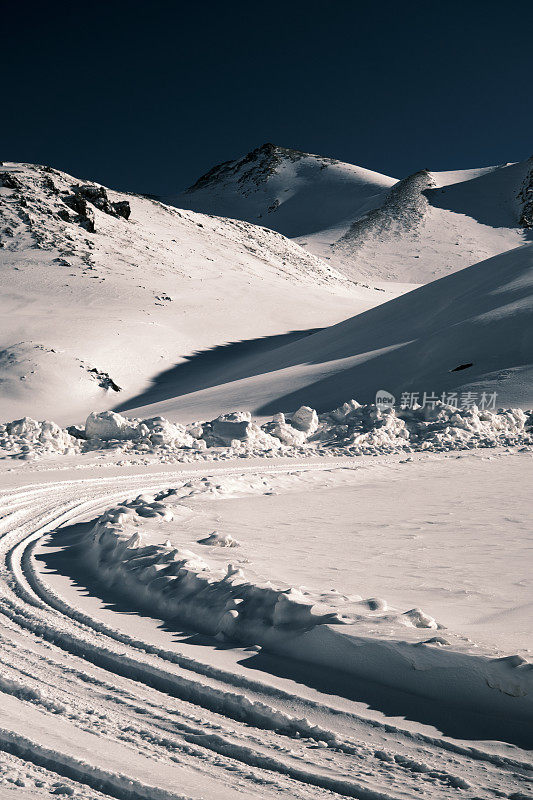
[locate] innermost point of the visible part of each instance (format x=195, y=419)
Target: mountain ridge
x=370, y=226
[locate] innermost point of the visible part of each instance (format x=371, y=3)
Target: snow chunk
x=418, y=619
x=26, y=438
x=219, y=540
x=108, y=425
x=305, y=419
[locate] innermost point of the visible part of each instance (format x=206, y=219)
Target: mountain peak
x=257, y=165
x=292, y=192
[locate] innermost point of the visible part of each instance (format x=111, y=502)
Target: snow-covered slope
x=101, y=291
x=479, y=319
x=432, y=224
x=369, y=225
x=289, y=191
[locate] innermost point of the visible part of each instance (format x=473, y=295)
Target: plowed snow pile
x=220, y=595
x=351, y=429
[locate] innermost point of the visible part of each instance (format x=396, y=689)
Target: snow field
x=90, y=317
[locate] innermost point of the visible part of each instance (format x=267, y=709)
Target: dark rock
x=49, y=184
x=104, y=380
x=87, y=219
x=122, y=208
x=82, y=209
x=64, y=215
x=526, y=197
x=461, y=367
x=8, y=180
x=97, y=196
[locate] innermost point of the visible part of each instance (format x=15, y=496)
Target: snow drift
x=369, y=640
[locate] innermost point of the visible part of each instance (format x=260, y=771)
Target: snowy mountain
x=297, y=194
x=434, y=223
x=467, y=332
x=368, y=225
x=102, y=291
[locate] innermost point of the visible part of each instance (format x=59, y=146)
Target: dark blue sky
x=149, y=95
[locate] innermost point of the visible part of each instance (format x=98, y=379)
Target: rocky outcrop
x=526, y=198
x=85, y=214
x=403, y=210
x=97, y=196
x=255, y=168
x=8, y=180
x=122, y=209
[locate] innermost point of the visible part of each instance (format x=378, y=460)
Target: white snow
x=481, y=316
x=86, y=314
x=370, y=226
x=223, y=719
x=291, y=192
x=145, y=550
x=351, y=429
x=228, y=579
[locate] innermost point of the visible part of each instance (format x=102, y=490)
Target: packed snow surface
x=307, y=681
x=144, y=550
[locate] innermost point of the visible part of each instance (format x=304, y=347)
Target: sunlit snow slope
x=291, y=192
x=369, y=225
x=99, y=296
x=479, y=319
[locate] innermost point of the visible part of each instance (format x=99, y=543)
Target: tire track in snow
x=30, y=604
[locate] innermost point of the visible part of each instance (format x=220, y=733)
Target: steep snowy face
x=289, y=191
x=102, y=290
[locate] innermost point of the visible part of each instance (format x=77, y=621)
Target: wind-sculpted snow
x=351, y=429
x=180, y=584
x=364, y=637
x=403, y=211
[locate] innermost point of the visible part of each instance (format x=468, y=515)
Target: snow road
x=93, y=710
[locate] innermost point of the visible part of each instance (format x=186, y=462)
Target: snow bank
x=180, y=584
x=237, y=429
x=26, y=438
x=440, y=427
x=351, y=429
x=108, y=426
x=367, y=639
